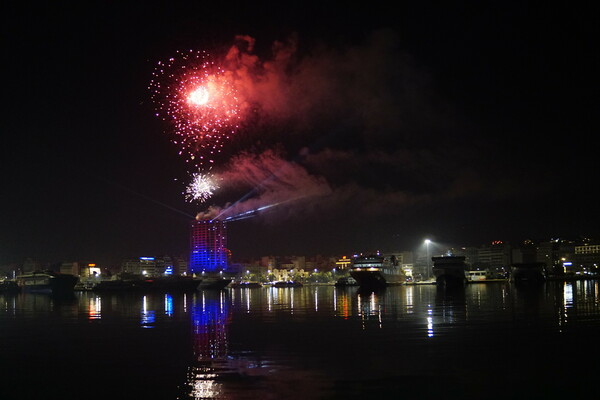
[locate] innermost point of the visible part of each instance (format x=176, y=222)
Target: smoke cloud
x=270, y=181
x=360, y=120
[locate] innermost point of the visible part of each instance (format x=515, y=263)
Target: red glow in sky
x=200, y=101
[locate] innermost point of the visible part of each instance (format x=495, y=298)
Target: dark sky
x=463, y=123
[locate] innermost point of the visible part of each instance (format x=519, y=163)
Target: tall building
x=208, y=246
x=495, y=256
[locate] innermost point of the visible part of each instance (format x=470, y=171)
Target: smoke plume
x=360, y=117
x=270, y=181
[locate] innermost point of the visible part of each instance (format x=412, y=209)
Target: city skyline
x=427, y=248
x=464, y=124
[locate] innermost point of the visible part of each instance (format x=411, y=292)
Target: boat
x=376, y=271
x=449, y=270
x=47, y=282
x=346, y=281
x=86, y=285
x=9, y=286
x=476, y=276
x=114, y=285
x=174, y=283
x=284, y=284
x=528, y=272
x=214, y=282
x=245, y=285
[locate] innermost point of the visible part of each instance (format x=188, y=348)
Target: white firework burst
x=201, y=188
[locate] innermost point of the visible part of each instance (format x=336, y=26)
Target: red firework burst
x=199, y=100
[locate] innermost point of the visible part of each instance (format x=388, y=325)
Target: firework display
x=201, y=188
x=199, y=101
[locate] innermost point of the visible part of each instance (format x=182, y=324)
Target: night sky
x=464, y=124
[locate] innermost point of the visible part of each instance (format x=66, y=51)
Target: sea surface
x=486, y=340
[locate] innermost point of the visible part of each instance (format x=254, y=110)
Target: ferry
x=528, y=272
x=214, y=282
x=47, y=282
x=376, y=271
x=476, y=276
x=284, y=284
x=175, y=283
x=114, y=285
x=236, y=285
x=9, y=286
x=449, y=270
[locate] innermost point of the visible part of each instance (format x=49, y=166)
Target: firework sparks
x=199, y=99
x=201, y=188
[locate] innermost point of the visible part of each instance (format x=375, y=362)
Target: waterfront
x=314, y=342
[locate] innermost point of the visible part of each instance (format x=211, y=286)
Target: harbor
x=261, y=342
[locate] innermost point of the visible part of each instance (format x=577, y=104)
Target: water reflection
x=168, y=305
x=451, y=305
x=216, y=371
x=273, y=343
x=147, y=315
x=369, y=308
x=342, y=302
x=95, y=308
x=409, y=299
x=209, y=316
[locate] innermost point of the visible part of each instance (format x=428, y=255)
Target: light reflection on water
x=308, y=342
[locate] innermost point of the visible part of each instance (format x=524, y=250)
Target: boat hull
x=245, y=285
x=375, y=271
x=449, y=270
x=162, y=284
x=287, y=284
x=9, y=287
x=47, y=283
x=534, y=273
x=171, y=284
x=376, y=278
x=214, y=283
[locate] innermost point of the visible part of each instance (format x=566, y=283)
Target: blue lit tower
x=208, y=246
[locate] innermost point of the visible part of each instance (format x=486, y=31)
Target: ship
x=114, y=285
x=48, y=282
x=212, y=281
x=528, y=272
x=9, y=286
x=376, y=271
x=449, y=270
x=285, y=284
x=248, y=285
x=173, y=283
x=476, y=276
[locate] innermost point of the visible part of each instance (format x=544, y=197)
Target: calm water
x=493, y=340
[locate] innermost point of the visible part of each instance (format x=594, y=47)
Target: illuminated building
x=71, y=268
x=343, y=263
x=208, y=246
x=148, y=266
x=588, y=255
